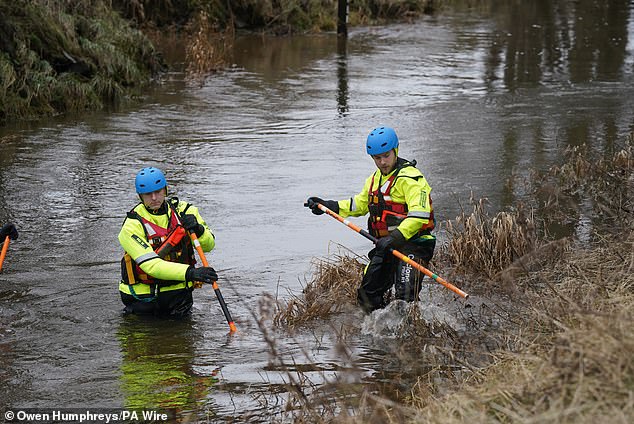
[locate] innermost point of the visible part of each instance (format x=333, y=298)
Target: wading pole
x=395, y=252
x=223, y=305
x=5, y=247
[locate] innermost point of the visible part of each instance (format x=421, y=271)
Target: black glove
x=206, y=274
x=191, y=224
x=395, y=240
x=384, y=243
x=312, y=202
x=8, y=230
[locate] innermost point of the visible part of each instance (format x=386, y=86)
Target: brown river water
x=475, y=96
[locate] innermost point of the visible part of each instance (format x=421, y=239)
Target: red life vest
x=170, y=244
x=386, y=214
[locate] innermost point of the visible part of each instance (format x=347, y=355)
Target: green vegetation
x=67, y=56
x=554, y=344
x=280, y=17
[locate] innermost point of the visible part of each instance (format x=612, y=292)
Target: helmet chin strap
x=159, y=211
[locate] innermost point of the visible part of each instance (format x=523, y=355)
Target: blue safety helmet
x=149, y=179
x=381, y=140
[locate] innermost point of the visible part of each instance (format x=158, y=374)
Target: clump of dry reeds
x=605, y=183
x=208, y=48
x=482, y=244
x=334, y=284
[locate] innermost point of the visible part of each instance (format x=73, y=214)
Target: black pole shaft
x=223, y=305
x=342, y=18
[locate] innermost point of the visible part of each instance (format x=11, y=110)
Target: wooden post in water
x=342, y=18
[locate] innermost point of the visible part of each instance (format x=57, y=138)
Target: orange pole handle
x=395, y=252
x=214, y=284
x=430, y=274
x=5, y=247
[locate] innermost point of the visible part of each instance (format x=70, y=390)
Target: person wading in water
x=158, y=268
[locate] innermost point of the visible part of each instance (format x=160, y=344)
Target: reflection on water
x=477, y=95
x=157, y=366
x=342, y=75
x=542, y=42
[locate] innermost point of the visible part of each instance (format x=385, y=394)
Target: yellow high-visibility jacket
x=132, y=238
x=409, y=188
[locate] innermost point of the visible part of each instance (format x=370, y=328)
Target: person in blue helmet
x=158, y=269
x=397, y=198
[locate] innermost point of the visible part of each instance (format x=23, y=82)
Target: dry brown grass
x=576, y=363
x=334, y=285
x=569, y=357
x=486, y=245
x=208, y=48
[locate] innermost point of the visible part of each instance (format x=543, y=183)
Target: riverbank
x=62, y=57
x=555, y=344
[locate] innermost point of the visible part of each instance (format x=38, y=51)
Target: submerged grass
x=334, y=285
x=560, y=349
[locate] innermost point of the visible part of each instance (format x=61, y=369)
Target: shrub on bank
x=68, y=56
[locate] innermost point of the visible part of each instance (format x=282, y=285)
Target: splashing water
x=390, y=321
